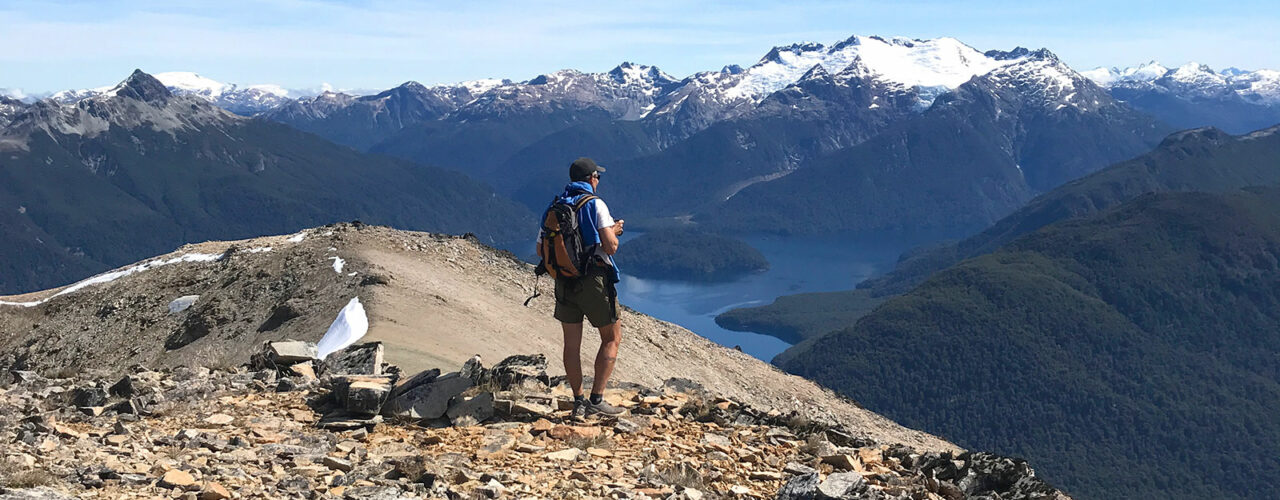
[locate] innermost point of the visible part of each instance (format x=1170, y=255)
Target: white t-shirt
x=603, y=220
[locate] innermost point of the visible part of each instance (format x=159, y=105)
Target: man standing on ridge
x=590, y=291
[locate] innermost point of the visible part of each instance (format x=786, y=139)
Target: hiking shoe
x=579, y=409
x=603, y=408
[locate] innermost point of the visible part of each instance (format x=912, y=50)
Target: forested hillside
x=1130, y=354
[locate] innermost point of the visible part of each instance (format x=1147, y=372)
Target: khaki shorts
x=591, y=296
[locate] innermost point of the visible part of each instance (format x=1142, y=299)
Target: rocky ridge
x=433, y=300
x=253, y=431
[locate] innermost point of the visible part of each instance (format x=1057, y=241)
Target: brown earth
x=434, y=300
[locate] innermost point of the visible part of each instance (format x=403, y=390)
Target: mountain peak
x=1021, y=53
x=629, y=72
x=413, y=86
x=776, y=54
x=817, y=72
x=143, y=87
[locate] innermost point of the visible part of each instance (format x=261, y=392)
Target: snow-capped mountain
x=1107, y=77
x=627, y=92
x=1040, y=77
x=1195, y=80
x=928, y=67
x=1194, y=95
x=246, y=100
x=137, y=102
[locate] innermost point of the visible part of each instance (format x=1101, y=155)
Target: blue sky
x=53, y=45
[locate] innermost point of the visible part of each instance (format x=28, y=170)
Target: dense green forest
x=1131, y=354
x=686, y=254
x=795, y=318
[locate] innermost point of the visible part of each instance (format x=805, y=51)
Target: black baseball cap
x=582, y=168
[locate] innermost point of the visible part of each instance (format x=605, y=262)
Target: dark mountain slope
x=1229, y=112
x=1130, y=354
x=361, y=122
x=1194, y=160
x=118, y=177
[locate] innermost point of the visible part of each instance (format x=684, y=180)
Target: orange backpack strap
x=583, y=202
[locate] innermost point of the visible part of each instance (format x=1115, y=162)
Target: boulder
x=361, y=394
x=516, y=369
x=304, y=370
x=429, y=400
x=24, y=376
x=214, y=491
x=474, y=370
x=338, y=464
x=423, y=377
x=842, y=485
x=292, y=351
x=124, y=388
x=89, y=396
x=175, y=478
x=359, y=359
x=473, y=410
x=837, y=486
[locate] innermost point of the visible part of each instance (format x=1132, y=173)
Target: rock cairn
x=288, y=425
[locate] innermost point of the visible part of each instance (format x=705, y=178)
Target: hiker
x=582, y=264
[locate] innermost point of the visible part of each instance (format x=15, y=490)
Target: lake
x=797, y=265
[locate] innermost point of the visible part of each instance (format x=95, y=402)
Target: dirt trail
x=434, y=300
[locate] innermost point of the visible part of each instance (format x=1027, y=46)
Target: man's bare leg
x=573, y=355
x=610, y=336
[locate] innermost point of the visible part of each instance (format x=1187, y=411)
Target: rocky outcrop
x=203, y=434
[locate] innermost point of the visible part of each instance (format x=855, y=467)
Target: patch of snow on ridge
x=337, y=264
x=351, y=325
x=297, y=238
x=191, y=82
x=182, y=303
x=115, y=275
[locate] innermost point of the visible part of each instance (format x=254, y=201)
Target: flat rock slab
x=421, y=378
x=430, y=400
x=292, y=351
x=175, y=478
x=348, y=421
x=219, y=419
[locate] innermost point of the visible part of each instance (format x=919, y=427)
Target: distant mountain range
x=683, y=147
x=915, y=139
x=1193, y=95
x=239, y=99
x=135, y=170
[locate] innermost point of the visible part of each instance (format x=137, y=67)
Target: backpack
x=560, y=243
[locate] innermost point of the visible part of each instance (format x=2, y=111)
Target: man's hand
x=617, y=226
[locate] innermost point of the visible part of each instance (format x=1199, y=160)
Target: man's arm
x=609, y=237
